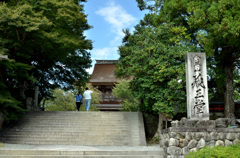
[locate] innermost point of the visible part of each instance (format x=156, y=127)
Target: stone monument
x=196, y=131
x=197, y=88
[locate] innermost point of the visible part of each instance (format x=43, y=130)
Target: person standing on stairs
x=87, y=96
x=78, y=100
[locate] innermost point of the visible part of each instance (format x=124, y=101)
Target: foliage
x=129, y=105
x=213, y=27
x=63, y=101
x=123, y=92
x=45, y=43
x=66, y=100
x=217, y=152
x=10, y=107
x=236, y=85
x=155, y=57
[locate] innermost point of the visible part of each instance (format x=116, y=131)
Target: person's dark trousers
x=78, y=105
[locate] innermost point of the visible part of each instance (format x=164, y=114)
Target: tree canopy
x=213, y=27
x=155, y=57
x=46, y=38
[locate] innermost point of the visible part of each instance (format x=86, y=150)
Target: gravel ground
x=79, y=148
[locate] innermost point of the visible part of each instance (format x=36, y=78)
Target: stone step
x=61, y=131
x=74, y=122
x=66, y=139
x=90, y=115
x=82, y=142
x=83, y=115
x=71, y=137
x=67, y=142
x=93, y=143
x=91, y=118
x=90, y=152
x=77, y=141
x=74, y=129
x=66, y=133
x=101, y=122
x=125, y=136
x=83, y=156
x=69, y=134
x=56, y=134
x=90, y=125
x=74, y=118
x=82, y=128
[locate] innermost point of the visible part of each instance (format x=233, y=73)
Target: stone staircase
x=78, y=128
x=78, y=135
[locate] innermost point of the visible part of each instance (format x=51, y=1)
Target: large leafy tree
x=213, y=26
x=155, y=57
x=47, y=37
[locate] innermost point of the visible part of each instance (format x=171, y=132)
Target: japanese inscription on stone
x=197, y=91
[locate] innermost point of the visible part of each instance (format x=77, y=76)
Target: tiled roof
x=104, y=73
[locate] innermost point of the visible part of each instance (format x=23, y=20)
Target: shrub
x=123, y=92
x=232, y=151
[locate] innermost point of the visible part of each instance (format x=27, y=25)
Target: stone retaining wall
x=189, y=135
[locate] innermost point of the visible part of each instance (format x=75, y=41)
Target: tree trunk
x=160, y=125
x=229, y=105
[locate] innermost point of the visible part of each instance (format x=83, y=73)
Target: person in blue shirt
x=78, y=100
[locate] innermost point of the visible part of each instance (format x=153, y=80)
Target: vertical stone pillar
x=29, y=103
x=36, y=96
x=197, y=88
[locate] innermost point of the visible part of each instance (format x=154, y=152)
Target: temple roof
x=104, y=72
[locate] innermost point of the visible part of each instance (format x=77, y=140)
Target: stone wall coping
x=195, y=129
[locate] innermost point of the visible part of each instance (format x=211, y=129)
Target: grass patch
x=232, y=151
x=154, y=140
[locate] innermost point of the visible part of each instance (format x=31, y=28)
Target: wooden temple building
x=104, y=79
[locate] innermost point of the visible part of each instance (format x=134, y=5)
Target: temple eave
x=102, y=83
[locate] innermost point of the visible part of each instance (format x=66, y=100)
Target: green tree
x=46, y=36
x=10, y=107
x=63, y=101
x=155, y=57
x=123, y=92
x=213, y=25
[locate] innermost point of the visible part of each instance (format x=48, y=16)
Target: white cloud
x=106, y=53
x=118, y=18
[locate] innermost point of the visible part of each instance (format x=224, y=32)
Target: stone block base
x=178, y=141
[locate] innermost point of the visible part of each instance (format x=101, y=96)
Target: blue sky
x=108, y=18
